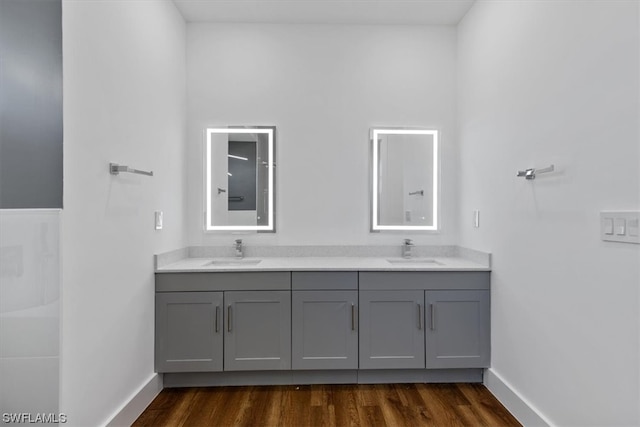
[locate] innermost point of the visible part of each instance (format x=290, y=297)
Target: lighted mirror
x=405, y=179
x=239, y=181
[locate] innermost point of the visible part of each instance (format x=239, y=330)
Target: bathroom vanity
x=322, y=320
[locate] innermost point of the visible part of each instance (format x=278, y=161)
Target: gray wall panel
x=30, y=104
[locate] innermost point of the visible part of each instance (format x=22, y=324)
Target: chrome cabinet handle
x=228, y=318
x=419, y=316
x=432, y=309
x=217, y=316
x=353, y=317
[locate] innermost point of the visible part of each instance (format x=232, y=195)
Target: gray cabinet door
x=458, y=325
x=258, y=330
x=188, y=332
x=391, y=329
x=324, y=329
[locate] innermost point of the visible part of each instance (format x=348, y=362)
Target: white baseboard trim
x=137, y=403
x=519, y=407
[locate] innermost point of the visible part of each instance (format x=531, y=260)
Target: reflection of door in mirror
x=219, y=148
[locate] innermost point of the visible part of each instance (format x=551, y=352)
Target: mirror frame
x=375, y=187
x=270, y=131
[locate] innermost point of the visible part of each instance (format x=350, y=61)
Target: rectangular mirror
x=405, y=179
x=239, y=178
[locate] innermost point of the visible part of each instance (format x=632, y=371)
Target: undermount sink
x=413, y=261
x=233, y=262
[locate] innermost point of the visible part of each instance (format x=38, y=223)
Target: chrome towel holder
x=531, y=173
x=115, y=169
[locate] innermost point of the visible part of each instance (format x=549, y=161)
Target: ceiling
x=407, y=12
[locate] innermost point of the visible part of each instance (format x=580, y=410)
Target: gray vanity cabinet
x=257, y=330
x=392, y=329
x=356, y=324
x=457, y=333
x=188, y=331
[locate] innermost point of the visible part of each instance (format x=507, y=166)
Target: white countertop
x=325, y=263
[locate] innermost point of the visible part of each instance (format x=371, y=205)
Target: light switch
x=159, y=220
x=476, y=219
x=620, y=226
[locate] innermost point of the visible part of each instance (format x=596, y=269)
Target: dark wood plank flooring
x=394, y=405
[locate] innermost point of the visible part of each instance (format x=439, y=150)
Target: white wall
x=541, y=83
x=124, y=101
x=323, y=87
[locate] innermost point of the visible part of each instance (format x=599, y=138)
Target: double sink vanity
x=340, y=314
x=290, y=315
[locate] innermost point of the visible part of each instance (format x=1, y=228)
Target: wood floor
x=437, y=405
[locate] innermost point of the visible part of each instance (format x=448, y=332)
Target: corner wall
x=556, y=83
x=125, y=102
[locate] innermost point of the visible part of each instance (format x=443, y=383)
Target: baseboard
x=137, y=403
x=519, y=407
x=296, y=377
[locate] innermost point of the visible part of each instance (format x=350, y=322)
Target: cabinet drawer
x=223, y=281
x=418, y=280
x=324, y=280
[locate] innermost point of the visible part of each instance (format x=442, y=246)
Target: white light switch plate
x=620, y=226
x=476, y=218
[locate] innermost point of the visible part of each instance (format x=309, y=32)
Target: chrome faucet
x=239, y=253
x=406, y=248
